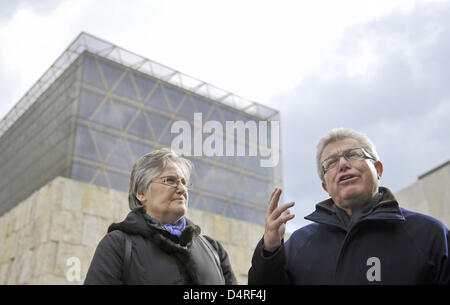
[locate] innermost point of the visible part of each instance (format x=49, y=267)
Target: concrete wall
x=429, y=195
x=66, y=218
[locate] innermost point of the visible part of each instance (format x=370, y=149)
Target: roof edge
x=87, y=42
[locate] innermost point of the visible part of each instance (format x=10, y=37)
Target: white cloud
x=255, y=49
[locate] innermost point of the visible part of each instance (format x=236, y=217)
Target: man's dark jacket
x=384, y=244
x=158, y=257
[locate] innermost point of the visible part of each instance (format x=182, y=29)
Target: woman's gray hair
x=150, y=166
x=338, y=134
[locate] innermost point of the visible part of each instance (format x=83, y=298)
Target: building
x=70, y=143
x=430, y=195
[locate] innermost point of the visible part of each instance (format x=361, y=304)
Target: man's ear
x=379, y=168
x=324, y=186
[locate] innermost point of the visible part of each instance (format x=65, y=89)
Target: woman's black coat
x=158, y=257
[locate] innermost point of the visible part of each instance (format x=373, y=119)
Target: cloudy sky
x=381, y=67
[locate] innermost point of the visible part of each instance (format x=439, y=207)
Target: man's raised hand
x=276, y=218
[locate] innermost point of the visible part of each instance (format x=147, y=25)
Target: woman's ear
x=141, y=197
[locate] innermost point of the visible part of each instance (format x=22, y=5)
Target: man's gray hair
x=338, y=134
x=150, y=166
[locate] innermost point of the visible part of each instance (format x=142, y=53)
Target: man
x=359, y=236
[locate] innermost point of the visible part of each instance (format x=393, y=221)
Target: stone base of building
x=430, y=195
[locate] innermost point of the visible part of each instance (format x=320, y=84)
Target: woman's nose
x=180, y=189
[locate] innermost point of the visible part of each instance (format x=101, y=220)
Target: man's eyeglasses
x=350, y=155
x=174, y=182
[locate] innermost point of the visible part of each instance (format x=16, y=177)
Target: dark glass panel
x=215, y=116
x=187, y=109
x=120, y=157
x=228, y=114
x=124, y=112
x=126, y=88
x=82, y=172
x=158, y=100
x=174, y=95
x=242, y=212
x=144, y=85
x=140, y=128
x=118, y=181
x=111, y=72
x=229, y=212
x=89, y=102
x=202, y=105
x=100, y=180
x=245, y=118
x=84, y=146
x=259, y=189
x=91, y=74
x=159, y=124
x=105, y=142
x=254, y=164
x=241, y=191
x=139, y=149
x=201, y=205
x=106, y=115
x=192, y=199
x=259, y=217
x=201, y=171
x=214, y=205
x=215, y=182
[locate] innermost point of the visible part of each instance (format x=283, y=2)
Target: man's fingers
x=273, y=202
x=273, y=192
x=283, y=219
x=279, y=210
x=271, y=197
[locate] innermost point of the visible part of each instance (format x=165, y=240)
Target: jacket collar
x=138, y=223
x=386, y=209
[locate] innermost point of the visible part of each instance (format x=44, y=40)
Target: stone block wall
x=430, y=195
x=67, y=218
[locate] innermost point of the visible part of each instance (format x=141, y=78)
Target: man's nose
x=343, y=163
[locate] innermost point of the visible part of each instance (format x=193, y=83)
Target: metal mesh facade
x=36, y=148
x=102, y=112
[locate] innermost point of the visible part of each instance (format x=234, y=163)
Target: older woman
x=156, y=244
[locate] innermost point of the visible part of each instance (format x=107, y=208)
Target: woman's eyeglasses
x=174, y=182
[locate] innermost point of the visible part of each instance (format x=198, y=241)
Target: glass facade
x=112, y=113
